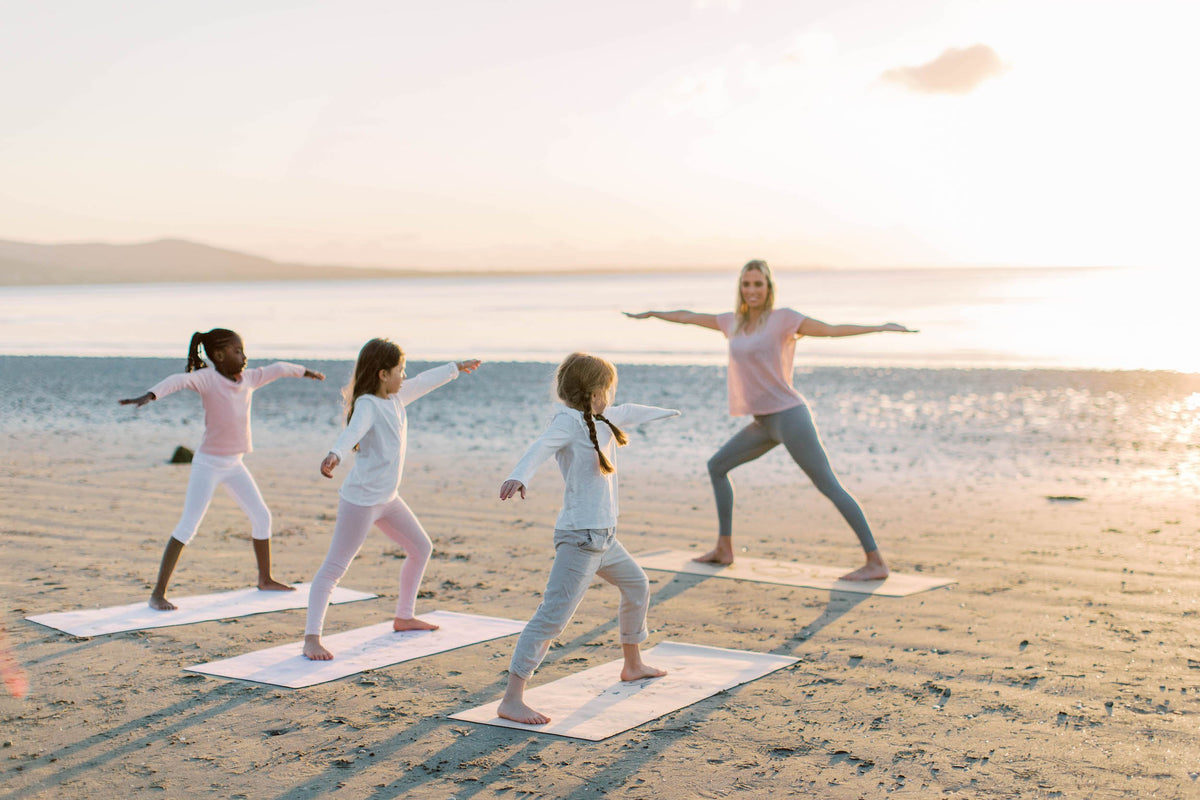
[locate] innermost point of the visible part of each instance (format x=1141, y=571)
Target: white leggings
x=207, y=473
x=399, y=524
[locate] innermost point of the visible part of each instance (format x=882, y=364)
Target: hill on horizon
x=159, y=261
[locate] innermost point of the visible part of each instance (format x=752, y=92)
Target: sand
x=1062, y=664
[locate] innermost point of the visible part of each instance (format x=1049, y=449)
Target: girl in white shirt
x=585, y=542
x=377, y=427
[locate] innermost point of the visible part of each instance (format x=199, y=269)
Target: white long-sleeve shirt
x=379, y=426
x=589, y=496
x=226, y=402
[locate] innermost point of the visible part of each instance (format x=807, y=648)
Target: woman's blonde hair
x=578, y=376
x=741, y=310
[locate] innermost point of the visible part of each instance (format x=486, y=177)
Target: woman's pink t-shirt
x=760, y=363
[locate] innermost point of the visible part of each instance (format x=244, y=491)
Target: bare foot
x=519, y=712
x=272, y=585
x=636, y=673
x=314, y=650
x=718, y=555
x=412, y=624
x=160, y=603
x=868, y=572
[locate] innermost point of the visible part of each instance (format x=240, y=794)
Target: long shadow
x=485, y=742
x=685, y=719
x=840, y=603
x=181, y=716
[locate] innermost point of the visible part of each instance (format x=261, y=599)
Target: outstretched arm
x=138, y=401
x=814, y=327
x=682, y=317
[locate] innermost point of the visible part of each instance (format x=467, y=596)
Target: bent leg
x=618, y=568
x=242, y=488
x=401, y=525
x=746, y=445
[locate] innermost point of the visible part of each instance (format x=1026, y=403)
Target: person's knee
x=717, y=468
x=421, y=549
x=184, y=535
x=260, y=523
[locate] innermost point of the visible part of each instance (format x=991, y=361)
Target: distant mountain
x=161, y=261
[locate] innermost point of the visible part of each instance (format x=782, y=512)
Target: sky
x=547, y=134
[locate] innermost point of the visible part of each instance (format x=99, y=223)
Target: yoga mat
x=596, y=704
x=360, y=649
x=789, y=573
x=201, y=608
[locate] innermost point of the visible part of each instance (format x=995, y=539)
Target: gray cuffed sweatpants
x=578, y=557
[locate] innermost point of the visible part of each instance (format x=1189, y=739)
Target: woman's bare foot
x=272, y=585
x=314, y=650
x=160, y=603
x=517, y=711
x=873, y=570
x=412, y=624
x=721, y=554
x=639, y=671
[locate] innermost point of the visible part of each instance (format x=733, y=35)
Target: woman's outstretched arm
x=814, y=327
x=682, y=317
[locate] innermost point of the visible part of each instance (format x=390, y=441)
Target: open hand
x=640, y=315
x=470, y=365
x=896, y=327
x=509, y=488
x=312, y=373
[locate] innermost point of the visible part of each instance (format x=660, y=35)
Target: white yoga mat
x=201, y=608
x=789, y=573
x=358, y=650
x=596, y=704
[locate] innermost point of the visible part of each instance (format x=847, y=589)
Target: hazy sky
x=556, y=133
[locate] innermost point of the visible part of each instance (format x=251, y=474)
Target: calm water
x=1073, y=318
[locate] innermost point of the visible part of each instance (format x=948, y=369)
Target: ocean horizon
x=1008, y=318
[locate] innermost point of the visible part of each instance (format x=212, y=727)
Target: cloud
x=955, y=71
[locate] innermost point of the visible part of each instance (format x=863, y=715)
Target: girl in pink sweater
x=226, y=391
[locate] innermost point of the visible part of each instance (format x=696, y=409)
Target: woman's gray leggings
x=793, y=428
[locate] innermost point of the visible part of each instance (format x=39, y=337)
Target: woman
x=762, y=342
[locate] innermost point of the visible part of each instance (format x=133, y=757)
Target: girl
x=762, y=342
x=377, y=427
x=585, y=542
x=226, y=392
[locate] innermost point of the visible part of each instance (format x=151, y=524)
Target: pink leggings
x=400, y=525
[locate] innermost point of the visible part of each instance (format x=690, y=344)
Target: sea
x=1001, y=318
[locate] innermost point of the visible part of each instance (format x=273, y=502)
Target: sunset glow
x=546, y=135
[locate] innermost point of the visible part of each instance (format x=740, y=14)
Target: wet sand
x=1062, y=664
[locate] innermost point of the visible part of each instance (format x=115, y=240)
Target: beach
x=1062, y=662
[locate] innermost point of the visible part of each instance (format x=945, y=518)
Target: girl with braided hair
x=225, y=390
x=585, y=542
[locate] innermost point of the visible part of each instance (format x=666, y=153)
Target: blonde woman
x=762, y=343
